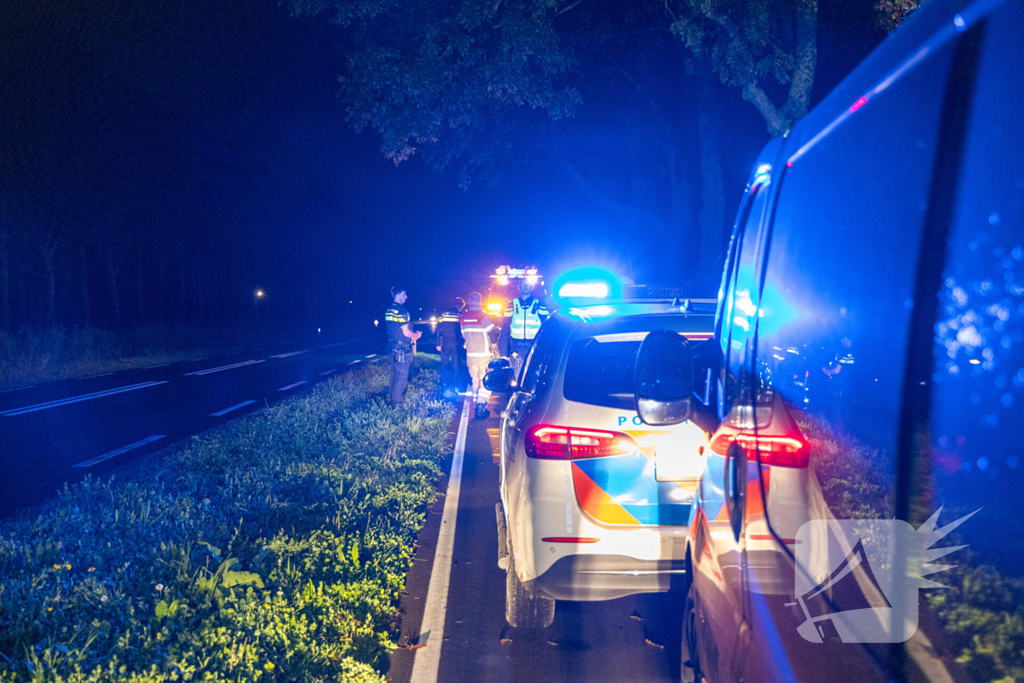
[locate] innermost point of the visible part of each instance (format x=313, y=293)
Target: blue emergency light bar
x=584, y=290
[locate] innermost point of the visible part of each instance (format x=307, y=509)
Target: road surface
x=633, y=639
x=59, y=432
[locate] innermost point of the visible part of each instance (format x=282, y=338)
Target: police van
x=865, y=379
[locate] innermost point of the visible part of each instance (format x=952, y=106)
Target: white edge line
x=372, y=355
x=150, y=367
x=210, y=371
x=78, y=399
x=30, y=386
x=292, y=386
x=354, y=362
x=105, y=374
x=427, y=660
x=324, y=374
x=120, y=451
x=291, y=353
x=234, y=407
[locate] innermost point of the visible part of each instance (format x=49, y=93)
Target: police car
x=594, y=504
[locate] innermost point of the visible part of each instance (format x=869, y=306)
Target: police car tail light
x=552, y=442
x=778, y=451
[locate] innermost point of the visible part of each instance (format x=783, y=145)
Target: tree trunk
x=712, y=212
x=5, y=284
x=163, y=289
x=83, y=284
x=140, y=291
x=51, y=287
x=112, y=282
x=182, y=295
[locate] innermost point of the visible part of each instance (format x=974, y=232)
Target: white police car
x=594, y=504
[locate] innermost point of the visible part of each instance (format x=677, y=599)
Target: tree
x=451, y=80
x=748, y=42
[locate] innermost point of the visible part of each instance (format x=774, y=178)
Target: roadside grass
x=271, y=548
x=980, y=615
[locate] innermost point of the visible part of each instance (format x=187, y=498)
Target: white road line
x=77, y=399
x=150, y=367
x=222, y=368
x=105, y=374
x=293, y=353
x=292, y=386
x=196, y=360
x=353, y=362
x=324, y=374
x=120, y=451
x=425, y=666
x=234, y=407
x=30, y=386
x=372, y=355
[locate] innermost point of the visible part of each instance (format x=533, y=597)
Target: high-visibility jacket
x=477, y=329
x=523, y=318
x=448, y=328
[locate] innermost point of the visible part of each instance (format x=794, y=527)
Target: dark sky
x=208, y=137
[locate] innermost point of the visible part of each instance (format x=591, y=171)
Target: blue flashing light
x=590, y=290
x=586, y=286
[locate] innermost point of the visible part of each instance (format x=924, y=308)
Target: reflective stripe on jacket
x=448, y=329
x=476, y=330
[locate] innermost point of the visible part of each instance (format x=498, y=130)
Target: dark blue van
x=865, y=385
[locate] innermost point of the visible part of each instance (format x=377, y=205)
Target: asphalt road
x=61, y=431
x=632, y=639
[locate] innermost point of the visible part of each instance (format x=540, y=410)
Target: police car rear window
x=601, y=373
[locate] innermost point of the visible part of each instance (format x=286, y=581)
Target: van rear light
x=777, y=451
x=551, y=442
x=569, y=539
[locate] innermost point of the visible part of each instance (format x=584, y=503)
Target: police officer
x=478, y=331
x=400, y=341
x=523, y=317
x=448, y=345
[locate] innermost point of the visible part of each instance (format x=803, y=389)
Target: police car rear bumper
x=606, y=577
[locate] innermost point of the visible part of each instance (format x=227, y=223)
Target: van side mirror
x=499, y=364
x=663, y=379
x=498, y=380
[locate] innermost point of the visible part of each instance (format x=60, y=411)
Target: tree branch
x=806, y=59
x=777, y=123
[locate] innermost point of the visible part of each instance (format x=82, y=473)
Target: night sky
x=203, y=147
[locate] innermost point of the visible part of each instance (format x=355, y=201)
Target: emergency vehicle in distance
x=505, y=287
x=594, y=504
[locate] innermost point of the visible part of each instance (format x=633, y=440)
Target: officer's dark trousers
x=518, y=350
x=400, y=362
x=449, y=364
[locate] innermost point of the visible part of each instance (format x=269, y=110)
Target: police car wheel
x=691, y=660
x=522, y=608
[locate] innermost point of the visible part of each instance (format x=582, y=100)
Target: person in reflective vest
x=523, y=318
x=448, y=346
x=400, y=341
x=478, y=331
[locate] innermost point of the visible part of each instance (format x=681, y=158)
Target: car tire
x=523, y=609
x=690, y=658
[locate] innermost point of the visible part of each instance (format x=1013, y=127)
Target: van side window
x=741, y=303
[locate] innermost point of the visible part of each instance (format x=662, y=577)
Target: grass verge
x=271, y=548
x=980, y=615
